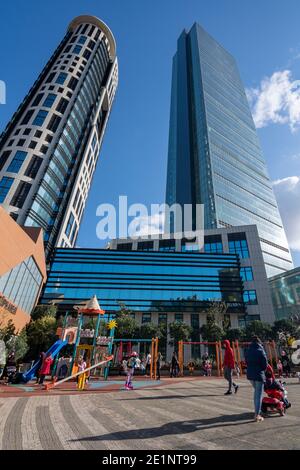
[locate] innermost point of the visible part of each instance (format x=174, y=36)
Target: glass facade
x=285, y=292
x=21, y=284
x=144, y=281
x=214, y=154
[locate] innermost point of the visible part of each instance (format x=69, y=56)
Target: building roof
x=100, y=24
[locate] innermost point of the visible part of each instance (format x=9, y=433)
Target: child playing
x=209, y=368
x=237, y=370
x=131, y=365
x=82, y=377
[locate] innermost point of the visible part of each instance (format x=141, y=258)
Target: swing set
x=238, y=352
x=238, y=346
x=218, y=353
x=124, y=348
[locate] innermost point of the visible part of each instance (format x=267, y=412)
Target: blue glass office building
x=214, y=155
x=146, y=282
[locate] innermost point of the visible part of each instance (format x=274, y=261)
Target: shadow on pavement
x=169, y=397
x=177, y=427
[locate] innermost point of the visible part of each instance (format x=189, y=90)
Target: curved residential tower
x=49, y=149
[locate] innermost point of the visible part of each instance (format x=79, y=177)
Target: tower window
x=37, y=133
x=91, y=44
x=5, y=185
x=246, y=273
x=20, y=194
x=249, y=297
x=4, y=158
x=91, y=31
x=73, y=83
x=61, y=78
x=77, y=49
x=69, y=225
x=44, y=149
x=62, y=105
x=37, y=99
x=17, y=162
x=40, y=118
x=21, y=142
x=49, y=100
x=238, y=244
x=87, y=54
x=82, y=40
x=54, y=123
x=27, y=117
x=33, y=167
x=50, y=77
x=32, y=144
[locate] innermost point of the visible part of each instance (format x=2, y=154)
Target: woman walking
x=257, y=362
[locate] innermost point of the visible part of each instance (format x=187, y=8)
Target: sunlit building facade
x=214, y=155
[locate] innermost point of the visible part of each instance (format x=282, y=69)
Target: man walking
x=228, y=365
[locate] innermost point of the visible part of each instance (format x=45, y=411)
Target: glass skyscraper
x=49, y=149
x=214, y=155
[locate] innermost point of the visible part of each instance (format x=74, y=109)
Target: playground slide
x=53, y=351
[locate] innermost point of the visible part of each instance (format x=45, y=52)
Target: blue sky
x=262, y=35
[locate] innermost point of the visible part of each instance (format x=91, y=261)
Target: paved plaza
x=180, y=414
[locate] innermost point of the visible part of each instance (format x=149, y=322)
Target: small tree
x=41, y=311
x=261, y=329
x=216, y=313
x=18, y=344
x=179, y=331
x=40, y=335
x=127, y=327
x=150, y=330
x=234, y=333
x=211, y=331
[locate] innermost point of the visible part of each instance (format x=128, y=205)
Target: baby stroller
x=275, y=401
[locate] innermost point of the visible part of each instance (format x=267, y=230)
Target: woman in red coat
x=228, y=366
x=45, y=368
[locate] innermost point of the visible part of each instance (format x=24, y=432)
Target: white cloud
x=276, y=100
x=150, y=225
x=287, y=191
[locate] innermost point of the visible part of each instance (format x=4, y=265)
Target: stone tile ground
x=181, y=414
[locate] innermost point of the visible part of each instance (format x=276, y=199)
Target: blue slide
x=53, y=351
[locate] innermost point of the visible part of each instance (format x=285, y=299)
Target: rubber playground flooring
x=94, y=386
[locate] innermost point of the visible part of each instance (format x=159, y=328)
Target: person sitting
x=191, y=367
